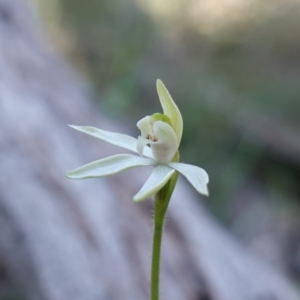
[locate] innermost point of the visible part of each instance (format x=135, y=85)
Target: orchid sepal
x=170, y=109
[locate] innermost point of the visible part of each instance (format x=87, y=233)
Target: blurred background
x=233, y=68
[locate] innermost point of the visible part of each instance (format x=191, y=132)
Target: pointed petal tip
x=138, y=200
x=84, y=129
x=68, y=175
x=160, y=86
x=204, y=189
x=158, y=81
x=74, y=126
x=71, y=175
x=206, y=192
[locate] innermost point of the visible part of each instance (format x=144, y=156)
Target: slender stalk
x=161, y=202
x=157, y=237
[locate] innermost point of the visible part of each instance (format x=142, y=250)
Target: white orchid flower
x=163, y=133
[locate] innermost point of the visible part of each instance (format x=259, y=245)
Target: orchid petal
x=145, y=126
x=170, y=109
x=117, y=139
x=141, y=144
x=159, y=177
x=165, y=147
x=109, y=166
x=195, y=175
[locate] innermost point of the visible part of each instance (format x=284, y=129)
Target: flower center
x=156, y=131
x=151, y=138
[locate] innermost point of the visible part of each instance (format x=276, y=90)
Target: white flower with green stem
x=162, y=132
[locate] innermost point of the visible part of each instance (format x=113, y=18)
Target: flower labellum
x=157, y=131
x=162, y=132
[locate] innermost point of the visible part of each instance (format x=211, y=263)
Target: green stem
x=157, y=237
x=161, y=202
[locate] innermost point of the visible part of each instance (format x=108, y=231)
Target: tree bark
x=87, y=240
